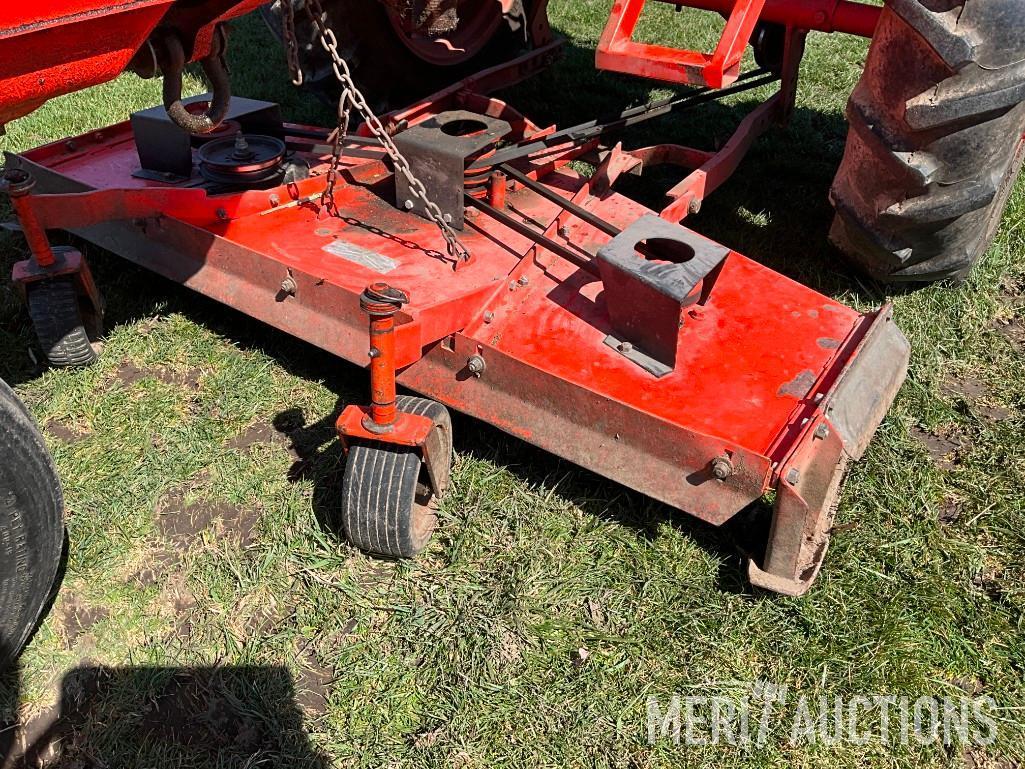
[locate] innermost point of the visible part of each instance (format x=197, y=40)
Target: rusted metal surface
x=802, y=518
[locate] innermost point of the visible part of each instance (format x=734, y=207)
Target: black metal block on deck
x=165, y=148
x=437, y=151
x=651, y=272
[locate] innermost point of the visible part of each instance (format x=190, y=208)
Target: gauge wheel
x=388, y=499
x=394, y=64
x=56, y=314
x=936, y=139
x=31, y=525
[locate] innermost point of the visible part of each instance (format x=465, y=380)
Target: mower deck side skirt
x=665, y=461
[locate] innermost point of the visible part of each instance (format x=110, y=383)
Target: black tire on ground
x=388, y=73
x=386, y=492
x=31, y=525
x=935, y=140
x=57, y=319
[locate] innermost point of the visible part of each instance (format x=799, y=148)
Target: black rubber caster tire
x=31, y=525
x=387, y=496
x=57, y=319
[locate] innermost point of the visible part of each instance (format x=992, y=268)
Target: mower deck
x=772, y=384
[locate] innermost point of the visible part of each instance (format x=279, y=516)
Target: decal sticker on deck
x=359, y=255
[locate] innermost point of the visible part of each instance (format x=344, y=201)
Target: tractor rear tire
x=935, y=141
x=387, y=71
x=31, y=525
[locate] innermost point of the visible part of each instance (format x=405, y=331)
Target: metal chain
x=353, y=97
x=291, y=42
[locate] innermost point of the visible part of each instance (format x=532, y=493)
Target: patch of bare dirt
x=312, y=685
x=978, y=758
x=129, y=374
x=261, y=433
x=943, y=446
x=181, y=523
x=950, y=509
x=63, y=433
x=157, y=565
x=77, y=617
x=975, y=394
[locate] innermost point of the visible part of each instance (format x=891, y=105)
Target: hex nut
x=793, y=476
x=722, y=468
x=475, y=365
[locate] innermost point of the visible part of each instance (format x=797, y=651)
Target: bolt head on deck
x=476, y=365
x=722, y=468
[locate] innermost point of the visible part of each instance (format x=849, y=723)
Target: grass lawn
x=211, y=616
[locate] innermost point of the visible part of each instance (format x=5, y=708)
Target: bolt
x=489, y=316
x=722, y=467
x=822, y=431
x=288, y=286
x=694, y=207
x=447, y=218
x=475, y=365
x=70, y=146
x=564, y=232
x=793, y=476
x=408, y=205
x=624, y=347
x=274, y=200
x=221, y=214
x=523, y=280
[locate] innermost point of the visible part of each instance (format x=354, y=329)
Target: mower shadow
x=163, y=717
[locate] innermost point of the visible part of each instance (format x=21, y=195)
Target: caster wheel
x=387, y=493
x=57, y=319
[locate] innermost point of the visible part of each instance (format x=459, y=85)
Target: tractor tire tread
x=934, y=142
x=31, y=525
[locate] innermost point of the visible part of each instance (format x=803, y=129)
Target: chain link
x=352, y=97
x=291, y=42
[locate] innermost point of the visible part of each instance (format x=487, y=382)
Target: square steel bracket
x=165, y=150
x=651, y=272
x=437, y=151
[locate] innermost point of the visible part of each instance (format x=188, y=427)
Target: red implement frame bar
x=619, y=52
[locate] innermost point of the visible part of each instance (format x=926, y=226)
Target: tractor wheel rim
x=478, y=21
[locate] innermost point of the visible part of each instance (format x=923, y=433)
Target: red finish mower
x=453, y=240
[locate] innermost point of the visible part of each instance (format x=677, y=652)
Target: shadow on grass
x=163, y=717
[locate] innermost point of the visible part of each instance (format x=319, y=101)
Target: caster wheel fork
x=390, y=491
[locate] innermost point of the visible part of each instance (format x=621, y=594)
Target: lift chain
x=352, y=97
x=291, y=41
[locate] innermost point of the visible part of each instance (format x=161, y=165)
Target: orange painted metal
x=618, y=52
x=406, y=429
x=61, y=46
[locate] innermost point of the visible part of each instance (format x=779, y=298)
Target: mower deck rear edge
x=701, y=386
